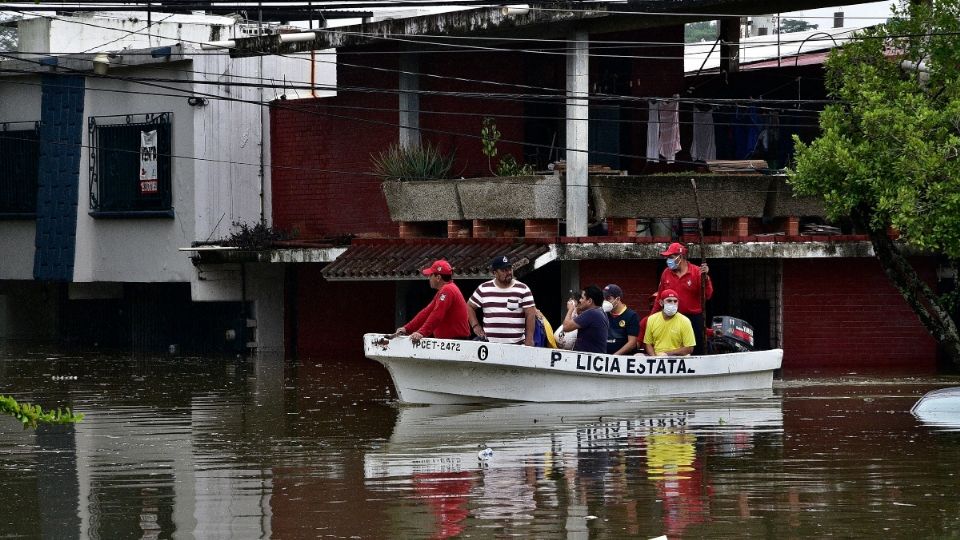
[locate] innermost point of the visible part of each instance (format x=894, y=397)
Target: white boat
x=939, y=408
x=445, y=371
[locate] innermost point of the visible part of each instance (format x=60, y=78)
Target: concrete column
x=578, y=86
x=409, y=100
x=569, y=281
x=729, y=44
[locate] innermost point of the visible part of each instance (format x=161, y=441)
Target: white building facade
x=116, y=162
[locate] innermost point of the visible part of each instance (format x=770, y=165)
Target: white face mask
x=670, y=309
x=607, y=306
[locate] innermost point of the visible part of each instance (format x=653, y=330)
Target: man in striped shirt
x=509, y=313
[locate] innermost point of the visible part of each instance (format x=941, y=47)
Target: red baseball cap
x=674, y=249
x=669, y=293
x=441, y=267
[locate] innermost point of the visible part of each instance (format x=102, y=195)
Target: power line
x=379, y=178
x=396, y=125
x=788, y=113
x=301, y=109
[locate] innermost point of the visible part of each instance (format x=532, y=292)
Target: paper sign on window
x=148, y=163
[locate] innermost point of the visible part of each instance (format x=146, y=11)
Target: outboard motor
x=729, y=334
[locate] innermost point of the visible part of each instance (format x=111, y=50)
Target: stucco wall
x=230, y=134
x=139, y=249
x=19, y=102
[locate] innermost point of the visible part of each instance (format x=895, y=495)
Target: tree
x=889, y=150
x=700, y=31
x=8, y=36
x=795, y=25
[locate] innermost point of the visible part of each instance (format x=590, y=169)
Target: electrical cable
x=788, y=113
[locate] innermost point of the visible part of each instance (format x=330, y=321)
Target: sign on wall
x=148, y=163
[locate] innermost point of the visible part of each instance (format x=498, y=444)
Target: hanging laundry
x=704, y=146
x=669, y=129
x=653, y=131
x=748, y=126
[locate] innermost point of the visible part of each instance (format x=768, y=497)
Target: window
x=130, y=172
x=19, y=166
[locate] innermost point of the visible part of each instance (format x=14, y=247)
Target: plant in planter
x=507, y=166
x=255, y=237
x=421, y=162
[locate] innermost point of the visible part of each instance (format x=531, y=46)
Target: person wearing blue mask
x=684, y=277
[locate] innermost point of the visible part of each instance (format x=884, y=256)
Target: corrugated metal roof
x=395, y=260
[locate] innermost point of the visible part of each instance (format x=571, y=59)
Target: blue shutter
x=61, y=131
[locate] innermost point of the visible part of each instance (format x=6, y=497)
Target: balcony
x=535, y=206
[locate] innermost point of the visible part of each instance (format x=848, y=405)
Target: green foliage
x=255, y=237
x=489, y=135
x=32, y=415
x=700, y=31
x=795, y=25
x=889, y=147
x=423, y=162
x=9, y=36
x=508, y=166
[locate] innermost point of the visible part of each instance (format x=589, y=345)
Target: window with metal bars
x=129, y=177
x=20, y=159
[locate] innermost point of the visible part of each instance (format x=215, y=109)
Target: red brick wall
x=332, y=316
x=845, y=314
x=320, y=150
x=457, y=120
x=638, y=279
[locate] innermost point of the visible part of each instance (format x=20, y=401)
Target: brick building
x=823, y=299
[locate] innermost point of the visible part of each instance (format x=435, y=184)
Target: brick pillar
x=541, y=228
x=793, y=226
x=736, y=226
x=622, y=227
x=494, y=228
x=459, y=229
x=412, y=229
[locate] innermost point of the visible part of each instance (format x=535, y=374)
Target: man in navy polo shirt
x=624, y=322
x=587, y=317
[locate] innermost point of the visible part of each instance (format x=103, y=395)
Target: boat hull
x=437, y=371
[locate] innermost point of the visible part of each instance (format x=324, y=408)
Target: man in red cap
x=683, y=277
x=669, y=332
x=445, y=317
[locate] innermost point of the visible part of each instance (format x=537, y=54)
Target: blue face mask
x=672, y=263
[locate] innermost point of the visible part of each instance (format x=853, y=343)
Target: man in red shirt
x=684, y=277
x=445, y=317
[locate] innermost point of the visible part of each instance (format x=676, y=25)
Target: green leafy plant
x=32, y=415
x=507, y=166
x=422, y=162
x=255, y=237
x=489, y=135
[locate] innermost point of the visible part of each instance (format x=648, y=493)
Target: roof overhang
x=403, y=260
x=550, y=21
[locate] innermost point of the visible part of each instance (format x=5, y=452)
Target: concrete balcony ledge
x=720, y=196
x=512, y=197
x=544, y=197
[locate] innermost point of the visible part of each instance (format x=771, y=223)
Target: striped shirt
x=503, y=317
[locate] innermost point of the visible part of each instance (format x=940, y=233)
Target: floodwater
x=212, y=448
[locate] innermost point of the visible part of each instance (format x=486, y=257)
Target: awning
x=403, y=259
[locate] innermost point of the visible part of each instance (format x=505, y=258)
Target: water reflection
x=557, y=466
x=207, y=448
